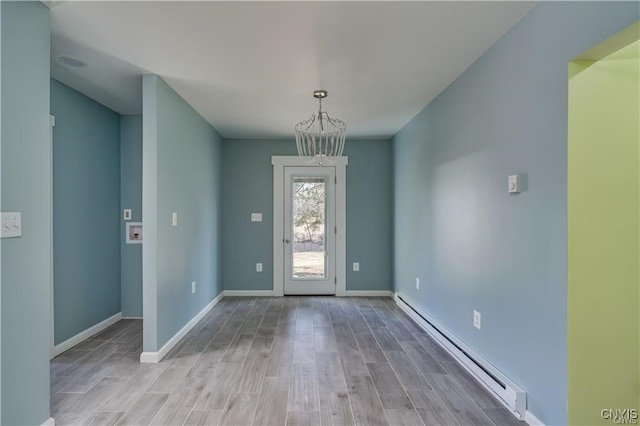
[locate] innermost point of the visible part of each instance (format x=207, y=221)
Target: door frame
x=279, y=162
x=326, y=284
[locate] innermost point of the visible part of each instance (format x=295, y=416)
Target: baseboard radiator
x=505, y=390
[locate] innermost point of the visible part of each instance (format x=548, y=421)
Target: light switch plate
x=126, y=215
x=174, y=219
x=256, y=217
x=477, y=319
x=11, y=225
x=514, y=184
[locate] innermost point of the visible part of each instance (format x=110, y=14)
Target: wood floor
x=274, y=361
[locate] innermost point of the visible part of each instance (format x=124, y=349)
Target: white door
x=309, y=230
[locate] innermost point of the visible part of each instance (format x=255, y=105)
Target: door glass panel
x=309, y=227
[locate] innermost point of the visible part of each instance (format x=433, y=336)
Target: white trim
x=52, y=339
x=248, y=293
x=269, y=293
x=84, y=335
x=532, y=420
x=369, y=293
x=150, y=357
x=341, y=223
x=132, y=318
x=279, y=162
x=155, y=357
x=511, y=395
x=49, y=422
x=296, y=161
x=325, y=285
x=278, y=229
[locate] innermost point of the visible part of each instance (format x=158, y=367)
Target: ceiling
x=250, y=68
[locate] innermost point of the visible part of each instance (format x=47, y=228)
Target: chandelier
x=320, y=138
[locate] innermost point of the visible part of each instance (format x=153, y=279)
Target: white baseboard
x=136, y=318
x=369, y=293
x=84, y=335
x=269, y=293
x=249, y=293
x=150, y=357
x=531, y=419
x=155, y=357
x=49, y=422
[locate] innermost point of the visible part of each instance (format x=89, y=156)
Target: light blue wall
x=369, y=214
x=184, y=167
x=473, y=245
x=131, y=198
x=248, y=187
x=26, y=169
x=86, y=205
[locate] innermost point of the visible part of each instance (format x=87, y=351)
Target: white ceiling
x=250, y=68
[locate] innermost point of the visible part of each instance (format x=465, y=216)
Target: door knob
x=286, y=241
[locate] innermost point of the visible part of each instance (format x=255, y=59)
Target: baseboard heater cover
x=507, y=392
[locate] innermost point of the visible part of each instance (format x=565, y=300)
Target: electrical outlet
x=258, y=267
x=356, y=266
x=193, y=287
x=477, y=319
x=417, y=283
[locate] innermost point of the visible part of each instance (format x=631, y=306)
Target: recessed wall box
x=134, y=233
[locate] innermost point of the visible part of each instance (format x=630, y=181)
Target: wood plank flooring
x=274, y=361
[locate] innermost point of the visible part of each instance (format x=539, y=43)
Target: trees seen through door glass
x=309, y=227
